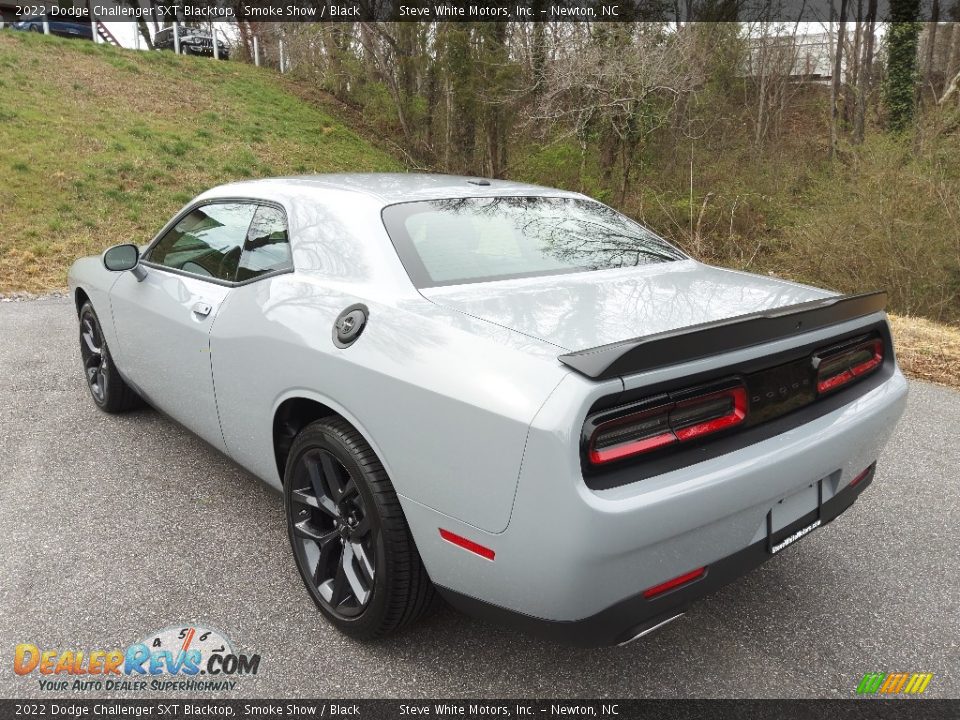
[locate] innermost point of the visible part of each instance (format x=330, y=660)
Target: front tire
x=108, y=390
x=350, y=539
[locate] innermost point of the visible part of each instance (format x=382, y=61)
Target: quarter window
x=209, y=241
x=267, y=248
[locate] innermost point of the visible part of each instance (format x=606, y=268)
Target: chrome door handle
x=202, y=309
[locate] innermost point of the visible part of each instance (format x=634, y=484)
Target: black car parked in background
x=193, y=41
x=63, y=28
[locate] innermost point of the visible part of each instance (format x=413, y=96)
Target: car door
x=163, y=321
x=250, y=342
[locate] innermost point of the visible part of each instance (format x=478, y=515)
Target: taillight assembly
x=752, y=397
x=667, y=420
x=839, y=367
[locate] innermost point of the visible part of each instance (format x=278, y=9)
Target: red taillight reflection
x=668, y=424
x=674, y=583
x=835, y=371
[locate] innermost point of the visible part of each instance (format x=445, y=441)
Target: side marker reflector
x=861, y=476
x=675, y=583
x=470, y=545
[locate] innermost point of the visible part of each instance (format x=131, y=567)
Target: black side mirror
x=120, y=258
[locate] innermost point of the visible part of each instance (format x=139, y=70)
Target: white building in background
x=804, y=57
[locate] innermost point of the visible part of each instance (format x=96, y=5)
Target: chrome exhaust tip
x=650, y=629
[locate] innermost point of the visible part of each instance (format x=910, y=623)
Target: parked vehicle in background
x=63, y=28
x=193, y=41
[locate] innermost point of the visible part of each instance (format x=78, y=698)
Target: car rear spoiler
x=720, y=336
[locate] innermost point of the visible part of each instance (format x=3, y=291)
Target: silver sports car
x=508, y=396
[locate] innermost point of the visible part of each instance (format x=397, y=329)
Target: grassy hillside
x=100, y=145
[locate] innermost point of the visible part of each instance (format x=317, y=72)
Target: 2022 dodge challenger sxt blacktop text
x=509, y=396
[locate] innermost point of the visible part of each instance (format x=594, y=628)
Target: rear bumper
x=638, y=615
x=571, y=556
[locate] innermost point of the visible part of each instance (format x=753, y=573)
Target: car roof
x=390, y=188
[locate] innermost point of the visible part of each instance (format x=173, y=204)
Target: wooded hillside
x=827, y=153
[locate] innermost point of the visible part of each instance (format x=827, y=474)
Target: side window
x=208, y=242
x=267, y=248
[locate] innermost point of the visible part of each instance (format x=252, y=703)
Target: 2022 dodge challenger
x=509, y=396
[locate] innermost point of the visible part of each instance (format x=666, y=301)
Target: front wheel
x=350, y=539
x=107, y=388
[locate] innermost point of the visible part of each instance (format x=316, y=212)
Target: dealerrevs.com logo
x=180, y=658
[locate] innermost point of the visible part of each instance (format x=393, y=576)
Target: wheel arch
x=296, y=410
x=79, y=298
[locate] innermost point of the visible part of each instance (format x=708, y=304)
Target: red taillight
x=732, y=403
x=470, y=545
x=675, y=583
x=843, y=367
x=667, y=424
x=632, y=435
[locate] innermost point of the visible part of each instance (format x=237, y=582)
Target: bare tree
x=865, y=75
x=835, y=81
x=617, y=86
x=773, y=57
x=928, y=62
x=952, y=74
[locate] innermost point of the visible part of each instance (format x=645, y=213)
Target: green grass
x=100, y=145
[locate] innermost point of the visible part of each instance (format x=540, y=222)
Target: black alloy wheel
x=96, y=362
x=350, y=539
x=107, y=388
x=336, y=544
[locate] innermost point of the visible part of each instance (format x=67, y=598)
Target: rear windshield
x=464, y=240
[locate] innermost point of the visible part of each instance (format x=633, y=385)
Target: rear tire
x=350, y=539
x=109, y=391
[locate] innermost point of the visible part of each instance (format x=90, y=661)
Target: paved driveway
x=112, y=527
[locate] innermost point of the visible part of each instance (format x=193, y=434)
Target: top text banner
x=193, y=11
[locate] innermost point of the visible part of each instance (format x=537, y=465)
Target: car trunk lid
x=585, y=310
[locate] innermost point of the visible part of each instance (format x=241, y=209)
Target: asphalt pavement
x=115, y=526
